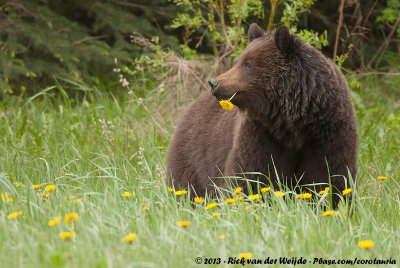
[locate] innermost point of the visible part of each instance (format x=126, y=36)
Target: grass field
x=95, y=148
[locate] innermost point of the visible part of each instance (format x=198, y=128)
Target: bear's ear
x=255, y=31
x=284, y=41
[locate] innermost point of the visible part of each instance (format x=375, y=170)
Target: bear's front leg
x=255, y=151
x=322, y=165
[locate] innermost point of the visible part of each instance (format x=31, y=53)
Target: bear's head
x=279, y=81
x=264, y=74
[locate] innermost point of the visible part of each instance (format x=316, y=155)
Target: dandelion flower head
x=71, y=218
x=55, y=221
x=50, y=188
x=64, y=235
x=184, y=223
x=367, y=244
x=346, y=191
x=199, y=200
x=130, y=237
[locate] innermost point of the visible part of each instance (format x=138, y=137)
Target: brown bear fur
x=293, y=120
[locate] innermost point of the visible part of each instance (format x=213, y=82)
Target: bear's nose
x=214, y=84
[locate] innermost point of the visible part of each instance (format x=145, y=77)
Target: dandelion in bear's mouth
x=130, y=237
x=71, y=218
x=55, y=221
x=265, y=189
x=304, y=196
x=279, y=193
x=66, y=235
x=346, y=191
x=367, y=244
x=212, y=205
x=184, y=223
x=227, y=104
x=324, y=191
x=199, y=200
x=182, y=192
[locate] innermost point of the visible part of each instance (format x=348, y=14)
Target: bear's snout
x=213, y=84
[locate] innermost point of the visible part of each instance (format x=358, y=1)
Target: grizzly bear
x=293, y=121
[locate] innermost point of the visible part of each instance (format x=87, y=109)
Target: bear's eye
x=246, y=65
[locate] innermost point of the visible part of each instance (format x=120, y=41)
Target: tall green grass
x=51, y=138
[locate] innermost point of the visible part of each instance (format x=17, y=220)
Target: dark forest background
x=44, y=41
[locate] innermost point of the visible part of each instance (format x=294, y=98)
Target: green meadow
x=94, y=146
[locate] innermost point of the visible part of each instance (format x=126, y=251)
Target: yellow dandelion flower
x=382, y=178
x=212, y=205
x=226, y=104
x=170, y=189
x=184, y=223
x=324, y=191
x=44, y=195
x=36, y=186
x=330, y=212
x=146, y=208
x=199, y=200
x=238, y=190
x=367, y=244
x=215, y=214
x=182, y=192
x=245, y=256
x=291, y=249
x=55, y=221
x=130, y=237
x=71, y=218
x=65, y=235
x=304, y=196
x=346, y=191
x=127, y=194
x=281, y=215
x=256, y=218
x=239, y=197
x=230, y=201
x=265, y=189
x=15, y=215
x=50, y=188
x=221, y=237
x=254, y=196
x=279, y=193
x=6, y=198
